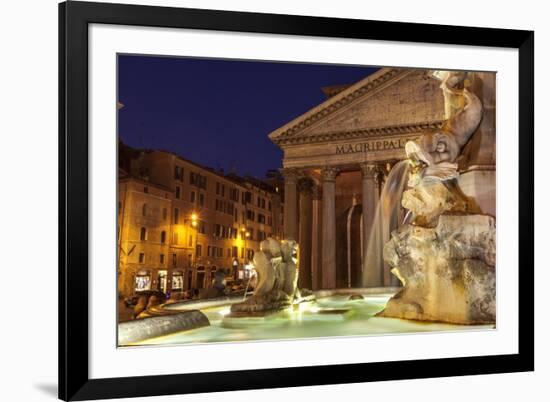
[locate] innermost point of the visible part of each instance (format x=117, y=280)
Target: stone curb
x=152, y=327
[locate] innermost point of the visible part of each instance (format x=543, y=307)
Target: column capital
x=329, y=173
x=290, y=175
x=305, y=185
x=368, y=170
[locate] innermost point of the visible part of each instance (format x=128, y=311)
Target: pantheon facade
x=337, y=157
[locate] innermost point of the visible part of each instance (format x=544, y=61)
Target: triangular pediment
x=390, y=101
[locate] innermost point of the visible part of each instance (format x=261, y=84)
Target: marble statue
x=445, y=255
x=276, y=269
x=434, y=154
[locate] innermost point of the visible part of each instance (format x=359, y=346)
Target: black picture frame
x=74, y=381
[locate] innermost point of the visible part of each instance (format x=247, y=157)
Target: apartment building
x=195, y=221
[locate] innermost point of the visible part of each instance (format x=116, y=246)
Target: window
x=141, y=258
x=269, y=221
x=176, y=215
x=143, y=234
x=162, y=258
x=223, y=190
x=146, y=189
x=178, y=173
x=164, y=213
x=177, y=281
x=190, y=242
x=235, y=252
x=269, y=205
x=178, y=192
x=217, y=188
x=197, y=180
x=201, y=200
x=192, y=197
x=144, y=210
x=261, y=218
x=201, y=227
x=163, y=237
x=174, y=259
x=142, y=282
x=198, y=251
x=175, y=238
x=234, y=194
x=250, y=215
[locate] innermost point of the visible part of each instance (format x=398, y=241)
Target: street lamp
x=194, y=220
x=245, y=234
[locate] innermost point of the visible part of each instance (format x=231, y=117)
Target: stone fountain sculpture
x=445, y=255
x=277, y=279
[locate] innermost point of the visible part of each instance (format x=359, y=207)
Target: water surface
x=327, y=317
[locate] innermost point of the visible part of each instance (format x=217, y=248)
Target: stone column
x=329, y=227
x=290, y=223
x=373, y=268
x=305, y=186
x=369, y=203
x=316, y=231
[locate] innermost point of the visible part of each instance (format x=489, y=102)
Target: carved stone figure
x=434, y=154
x=277, y=272
x=448, y=272
x=289, y=267
x=445, y=258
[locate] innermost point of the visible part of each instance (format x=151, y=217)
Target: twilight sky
x=218, y=113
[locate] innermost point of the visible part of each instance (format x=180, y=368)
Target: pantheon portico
x=337, y=157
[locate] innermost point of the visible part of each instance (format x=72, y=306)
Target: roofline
x=368, y=84
x=214, y=172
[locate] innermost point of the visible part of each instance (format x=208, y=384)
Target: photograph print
x=265, y=200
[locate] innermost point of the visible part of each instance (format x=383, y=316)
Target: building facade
x=180, y=222
x=337, y=158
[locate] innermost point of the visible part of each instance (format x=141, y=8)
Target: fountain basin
x=332, y=314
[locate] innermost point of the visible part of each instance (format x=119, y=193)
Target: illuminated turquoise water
x=327, y=317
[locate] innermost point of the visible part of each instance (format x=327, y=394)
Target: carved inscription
x=371, y=146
